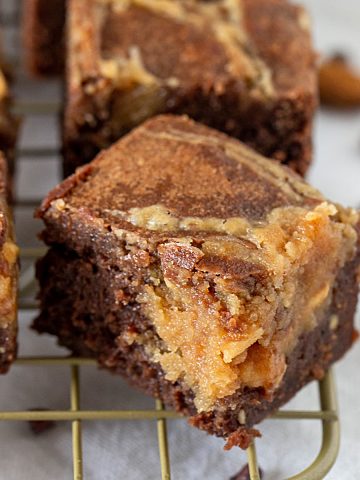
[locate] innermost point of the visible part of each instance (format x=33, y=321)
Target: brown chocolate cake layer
x=209, y=276
x=245, y=67
x=43, y=36
x=8, y=276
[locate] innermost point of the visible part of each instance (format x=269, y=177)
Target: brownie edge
x=185, y=261
x=245, y=67
x=8, y=276
x=43, y=30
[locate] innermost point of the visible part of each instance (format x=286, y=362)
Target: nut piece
x=244, y=474
x=242, y=417
x=40, y=426
x=334, y=322
x=339, y=84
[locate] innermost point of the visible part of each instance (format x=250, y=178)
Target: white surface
x=114, y=450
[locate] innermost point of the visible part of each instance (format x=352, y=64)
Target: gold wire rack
x=327, y=413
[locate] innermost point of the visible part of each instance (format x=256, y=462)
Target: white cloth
x=114, y=450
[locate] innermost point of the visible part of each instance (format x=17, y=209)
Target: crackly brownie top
x=259, y=45
x=174, y=168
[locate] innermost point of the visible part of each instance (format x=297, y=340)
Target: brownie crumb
x=40, y=426
x=339, y=83
x=244, y=474
x=241, y=438
x=355, y=336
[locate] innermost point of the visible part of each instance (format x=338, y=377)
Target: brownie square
x=43, y=25
x=213, y=278
x=8, y=249
x=8, y=276
x=8, y=131
x=245, y=67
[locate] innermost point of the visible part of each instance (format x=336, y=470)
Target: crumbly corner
x=220, y=332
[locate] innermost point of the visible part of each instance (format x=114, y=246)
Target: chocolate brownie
x=8, y=131
x=8, y=276
x=43, y=36
x=245, y=67
x=211, y=277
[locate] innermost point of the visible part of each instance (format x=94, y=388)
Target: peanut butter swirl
x=239, y=256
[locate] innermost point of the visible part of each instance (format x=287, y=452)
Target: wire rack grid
x=327, y=414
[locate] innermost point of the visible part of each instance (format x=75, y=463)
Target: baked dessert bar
x=8, y=132
x=8, y=249
x=43, y=36
x=245, y=67
x=209, y=276
x=8, y=276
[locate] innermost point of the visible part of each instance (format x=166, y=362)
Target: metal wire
x=163, y=444
x=76, y=423
x=253, y=463
x=23, y=108
x=330, y=434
